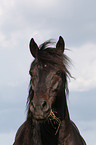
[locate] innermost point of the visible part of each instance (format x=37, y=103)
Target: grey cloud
x=82, y=105
x=11, y=119
x=12, y=107
x=72, y=19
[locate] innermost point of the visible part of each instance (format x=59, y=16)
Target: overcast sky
x=75, y=21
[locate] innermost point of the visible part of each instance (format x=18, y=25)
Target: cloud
x=82, y=104
x=88, y=131
x=12, y=107
x=81, y=109
x=84, y=67
x=50, y=18
x=6, y=138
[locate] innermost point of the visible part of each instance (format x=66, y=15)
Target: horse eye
x=59, y=73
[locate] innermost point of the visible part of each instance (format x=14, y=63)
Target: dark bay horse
x=48, y=121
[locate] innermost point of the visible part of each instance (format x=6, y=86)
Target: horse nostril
x=35, y=105
x=44, y=104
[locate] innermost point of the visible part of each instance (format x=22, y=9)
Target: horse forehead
x=44, y=79
x=45, y=75
x=50, y=74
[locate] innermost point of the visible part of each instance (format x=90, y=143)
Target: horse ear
x=33, y=48
x=60, y=46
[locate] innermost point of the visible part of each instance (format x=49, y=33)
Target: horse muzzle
x=40, y=108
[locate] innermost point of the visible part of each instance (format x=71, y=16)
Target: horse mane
x=49, y=55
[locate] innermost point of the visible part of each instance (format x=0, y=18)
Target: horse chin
x=42, y=117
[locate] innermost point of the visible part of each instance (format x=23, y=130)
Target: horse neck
x=61, y=107
x=44, y=132
x=36, y=134
x=41, y=133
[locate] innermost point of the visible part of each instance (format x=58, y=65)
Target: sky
x=21, y=20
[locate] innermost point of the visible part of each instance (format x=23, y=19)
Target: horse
x=48, y=121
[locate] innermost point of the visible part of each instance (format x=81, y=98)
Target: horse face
x=46, y=83
x=47, y=78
